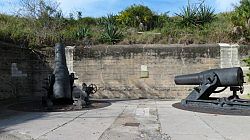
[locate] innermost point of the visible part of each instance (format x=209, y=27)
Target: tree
x=46, y=20
x=79, y=14
x=46, y=12
x=241, y=14
x=241, y=19
x=39, y=8
x=135, y=15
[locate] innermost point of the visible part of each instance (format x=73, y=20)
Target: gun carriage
x=210, y=80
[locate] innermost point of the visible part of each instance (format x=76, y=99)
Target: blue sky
x=97, y=8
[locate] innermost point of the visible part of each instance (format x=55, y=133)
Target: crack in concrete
x=61, y=125
x=206, y=123
x=110, y=127
x=153, y=132
x=163, y=135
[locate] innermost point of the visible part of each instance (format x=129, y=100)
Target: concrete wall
x=117, y=69
x=136, y=71
x=20, y=71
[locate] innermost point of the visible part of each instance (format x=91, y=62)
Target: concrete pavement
x=124, y=120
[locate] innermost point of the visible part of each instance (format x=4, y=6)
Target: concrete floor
x=124, y=120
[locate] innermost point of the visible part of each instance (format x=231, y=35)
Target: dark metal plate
x=132, y=124
x=213, y=110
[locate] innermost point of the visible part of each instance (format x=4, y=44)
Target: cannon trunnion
x=208, y=81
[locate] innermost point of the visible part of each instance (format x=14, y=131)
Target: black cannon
x=208, y=82
x=60, y=84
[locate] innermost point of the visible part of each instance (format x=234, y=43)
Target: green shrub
x=241, y=13
x=136, y=14
x=217, y=31
x=241, y=17
x=89, y=21
x=159, y=20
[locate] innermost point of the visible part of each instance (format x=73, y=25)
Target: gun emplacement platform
x=208, y=81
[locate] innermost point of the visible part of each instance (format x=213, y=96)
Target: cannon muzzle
x=225, y=77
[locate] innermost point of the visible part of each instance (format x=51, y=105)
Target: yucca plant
x=111, y=32
x=82, y=32
x=205, y=14
x=110, y=19
x=188, y=15
x=196, y=15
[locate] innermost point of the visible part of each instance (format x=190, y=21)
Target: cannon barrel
x=226, y=77
x=61, y=87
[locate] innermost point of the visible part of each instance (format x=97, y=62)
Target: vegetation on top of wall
x=241, y=19
x=140, y=15
x=242, y=13
x=42, y=24
x=193, y=15
x=111, y=33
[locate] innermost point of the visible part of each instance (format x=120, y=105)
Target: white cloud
x=225, y=5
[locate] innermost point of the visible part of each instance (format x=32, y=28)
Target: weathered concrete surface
x=116, y=70
x=21, y=70
x=124, y=120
